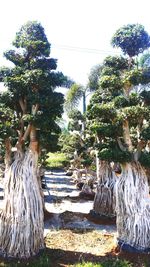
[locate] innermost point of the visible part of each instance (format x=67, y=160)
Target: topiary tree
x=132, y=146
x=103, y=124
x=34, y=108
x=75, y=120
x=132, y=39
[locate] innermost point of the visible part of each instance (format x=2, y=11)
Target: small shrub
x=57, y=160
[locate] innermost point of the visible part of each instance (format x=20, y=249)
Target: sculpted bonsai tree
x=102, y=121
x=34, y=107
x=132, y=203
x=128, y=143
x=129, y=113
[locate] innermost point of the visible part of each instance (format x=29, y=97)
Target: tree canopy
x=118, y=115
x=31, y=83
x=132, y=39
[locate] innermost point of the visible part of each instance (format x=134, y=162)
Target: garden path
x=67, y=209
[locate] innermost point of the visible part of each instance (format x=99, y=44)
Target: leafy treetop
x=132, y=39
x=31, y=84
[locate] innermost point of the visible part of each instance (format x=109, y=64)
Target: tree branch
x=121, y=146
x=7, y=152
x=126, y=135
x=27, y=132
x=35, y=109
x=140, y=146
x=23, y=105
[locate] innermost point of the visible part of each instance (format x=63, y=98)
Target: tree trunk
x=21, y=220
x=7, y=152
x=105, y=200
x=133, y=209
x=126, y=135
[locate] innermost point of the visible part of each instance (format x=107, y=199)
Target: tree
x=78, y=92
x=75, y=120
x=35, y=107
x=101, y=117
x=93, y=78
x=128, y=143
x=132, y=39
x=73, y=96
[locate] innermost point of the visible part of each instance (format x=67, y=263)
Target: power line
x=83, y=49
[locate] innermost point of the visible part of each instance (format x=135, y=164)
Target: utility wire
x=83, y=49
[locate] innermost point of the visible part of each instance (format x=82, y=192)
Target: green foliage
x=146, y=97
x=73, y=96
x=133, y=77
x=86, y=160
x=117, y=63
x=74, y=125
x=31, y=82
x=99, y=97
x=144, y=60
x=108, y=71
x=112, y=82
x=75, y=114
x=145, y=159
x=44, y=261
x=132, y=39
x=40, y=261
x=57, y=160
x=93, y=78
x=117, y=116
x=146, y=76
x=76, y=118
x=8, y=122
x=122, y=101
x=145, y=133
x=105, y=129
x=105, y=112
x=134, y=113
x=114, y=154
x=70, y=143
x=32, y=38
x=4, y=72
x=110, y=151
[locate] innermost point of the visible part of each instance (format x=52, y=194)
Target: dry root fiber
x=21, y=221
x=133, y=209
x=105, y=199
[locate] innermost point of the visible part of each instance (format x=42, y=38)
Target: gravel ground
x=67, y=209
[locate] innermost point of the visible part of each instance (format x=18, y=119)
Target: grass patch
x=40, y=261
x=112, y=263
x=57, y=160
x=44, y=261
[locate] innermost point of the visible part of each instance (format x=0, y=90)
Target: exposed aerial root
x=21, y=220
x=133, y=209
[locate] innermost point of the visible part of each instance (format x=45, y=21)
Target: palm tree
x=78, y=91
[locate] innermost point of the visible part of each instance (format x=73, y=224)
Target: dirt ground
x=74, y=235
x=68, y=247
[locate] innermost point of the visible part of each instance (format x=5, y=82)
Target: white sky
x=77, y=23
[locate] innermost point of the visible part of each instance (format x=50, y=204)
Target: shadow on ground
x=68, y=258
